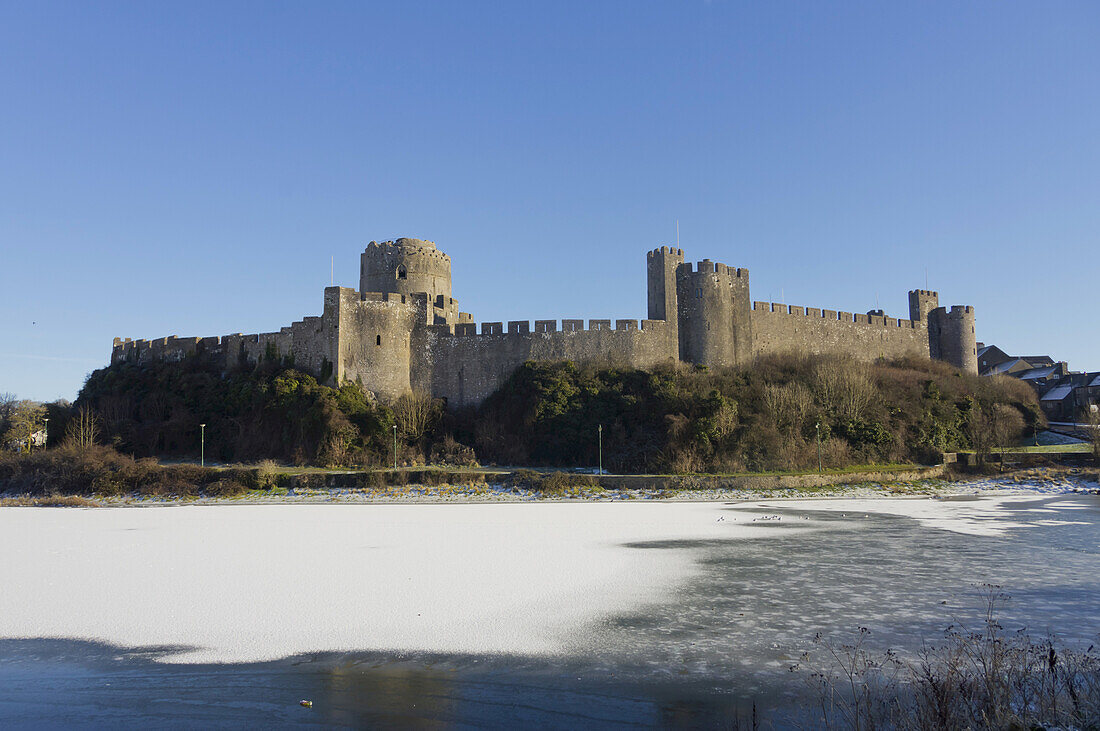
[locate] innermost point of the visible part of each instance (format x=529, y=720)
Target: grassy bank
x=70, y=477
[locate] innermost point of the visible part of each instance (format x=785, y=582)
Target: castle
x=402, y=331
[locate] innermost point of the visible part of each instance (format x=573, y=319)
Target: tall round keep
x=713, y=310
x=958, y=341
x=405, y=266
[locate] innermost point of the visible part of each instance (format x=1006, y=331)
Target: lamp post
x=817, y=429
x=202, y=445
x=600, y=430
x=395, y=446
x=46, y=432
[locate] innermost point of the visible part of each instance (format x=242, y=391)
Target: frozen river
x=548, y=614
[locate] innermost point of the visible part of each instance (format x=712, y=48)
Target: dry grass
x=71, y=471
x=977, y=678
x=52, y=501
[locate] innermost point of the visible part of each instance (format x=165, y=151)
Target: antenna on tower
x=677, y=233
x=926, y=277
x=331, y=270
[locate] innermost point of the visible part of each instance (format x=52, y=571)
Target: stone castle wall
x=778, y=328
x=469, y=366
x=406, y=333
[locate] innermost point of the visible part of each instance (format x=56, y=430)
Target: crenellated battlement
x=710, y=267
x=870, y=319
x=392, y=297
x=665, y=251
x=412, y=247
x=523, y=328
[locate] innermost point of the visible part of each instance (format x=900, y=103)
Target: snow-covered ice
x=248, y=583
x=984, y=516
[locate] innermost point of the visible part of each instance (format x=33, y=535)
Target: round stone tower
x=714, y=324
x=405, y=266
x=954, y=329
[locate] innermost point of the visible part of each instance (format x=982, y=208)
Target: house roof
x=1010, y=365
x=1095, y=381
x=1058, y=393
x=1035, y=373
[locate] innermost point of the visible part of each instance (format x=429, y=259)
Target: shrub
x=225, y=488
x=451, y=452
x=553, y=483
x=97, y=470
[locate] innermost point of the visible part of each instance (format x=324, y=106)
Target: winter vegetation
x=784, y=413
x=976, y=677
x=131, y=424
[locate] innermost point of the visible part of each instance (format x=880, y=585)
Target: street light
x=601, y=448
x=395, y=446
x=817, y=428
x=202, y=445
x=46, y=431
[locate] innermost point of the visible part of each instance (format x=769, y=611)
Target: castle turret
x=952, y=337
x=368, y=340
x=661, y=265
x=405, y=266
x=714, y=314
x=921, y=302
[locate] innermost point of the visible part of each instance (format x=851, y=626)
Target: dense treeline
x=773, y=415
x=770, y=416
x=271, y=411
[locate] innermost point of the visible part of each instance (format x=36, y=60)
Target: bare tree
x=1094, y=432
x=992, y=425
x=856, y=393
x=789, y=405
x=844, y=387
x=7, y=403
x=415, y=414
x=115, y=410
x=1006, y=424
x=83, y=429
x=774, y=401
x=24, y=422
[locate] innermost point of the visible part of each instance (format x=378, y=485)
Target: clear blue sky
x=190, y=168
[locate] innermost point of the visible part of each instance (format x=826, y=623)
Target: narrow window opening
x=402, y=273
x=377, y=339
